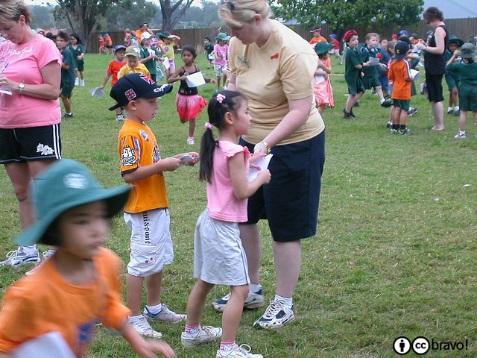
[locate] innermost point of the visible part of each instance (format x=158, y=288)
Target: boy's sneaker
x=190, y=140
x=450, y=110
x=142, y=326
x=277, y=315
x=165, y=315
x=393, y=131
x=412, y=111
x=77, y=82
x=242, y=351
x=21, y=257
x=389, y=124
x=253, y=300
x=120, y=117
x=388, y=102
x=201, y=335
x=405, y=131
x=68, y=115
x=460, y=135
x=81, y=83
x=457, y=112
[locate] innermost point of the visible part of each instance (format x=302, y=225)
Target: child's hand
x=190, y=158
x=170, y=164
x=149, y=349
x=264, y=176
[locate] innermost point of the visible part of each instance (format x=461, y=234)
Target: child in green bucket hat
x=78, y=286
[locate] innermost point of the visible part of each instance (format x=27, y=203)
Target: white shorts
x=219, y=70
x=151, y=244
x=219, y=257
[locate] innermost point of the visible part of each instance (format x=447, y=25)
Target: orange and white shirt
x=45, y=302
x=401, y=78
x=137, y=147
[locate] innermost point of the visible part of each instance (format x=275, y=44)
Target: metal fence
x=463, y=28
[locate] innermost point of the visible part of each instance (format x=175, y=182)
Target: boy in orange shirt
x=146, y=212
x=78, y=286
x=402, y=86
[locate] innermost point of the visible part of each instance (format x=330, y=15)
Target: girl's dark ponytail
x=207, y=147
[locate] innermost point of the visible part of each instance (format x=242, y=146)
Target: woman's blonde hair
x=237, y=12
x=11, y=10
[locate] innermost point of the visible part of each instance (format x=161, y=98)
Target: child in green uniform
x=149, y=56
x=353, y=74
x=68, y=68
x=454, y=43
x=467, y=74
x=77, y=49
x=370, y=58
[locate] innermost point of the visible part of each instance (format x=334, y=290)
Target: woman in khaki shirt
x=274, y=68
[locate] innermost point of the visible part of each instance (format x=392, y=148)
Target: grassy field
x=396, y=250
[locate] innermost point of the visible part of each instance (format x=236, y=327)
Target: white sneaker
x=204, y=334
x=165, y=315
x=253, y=300
x=460, y=135
x=142, y=326
x=21, y=257
x=81, y=83
x=276, y=315
x=120, y=117
x=190, y=140
x=48, y=253
x=77, y=82
x=242, y=351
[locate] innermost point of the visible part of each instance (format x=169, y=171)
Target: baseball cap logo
x=75, y=181
x=148, y=80
x=130, y=94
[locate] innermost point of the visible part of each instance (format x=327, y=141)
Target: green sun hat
x=67, y=184
x=455, y=40
x=222, y=36
x=468, y=50
x=322, y=47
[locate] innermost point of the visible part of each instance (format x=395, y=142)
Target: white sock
x=456, y=108
x=381, y=100
x=449, y=108
x=155, y=309
x=135, y=318
x=287, y=301
x=254, y=287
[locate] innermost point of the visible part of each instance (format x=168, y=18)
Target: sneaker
x=412, y=111
x=48, y=253
x=253, y=300
x=242, y=351
x=457, y=112
x=393, y=131
x=21, y=257
x=165, y=315
x=68, y=115
x=387, y=103
x=120, y=117
x=77, y=82
x=388, y=125
x=190, y=140
x=460, y=135
x=450, y=110
x=204, y=334
x=81, y=83
x=346, y=115
x=142, y=326
x=405, y=131
x=277, y=315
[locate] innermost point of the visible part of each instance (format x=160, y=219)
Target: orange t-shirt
x=113, y=70
x=316, y=39
x=399, y=75
x=45, y=302
x=137, y=147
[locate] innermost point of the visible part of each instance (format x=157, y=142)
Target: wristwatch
x=21, y=87
x=262, y=145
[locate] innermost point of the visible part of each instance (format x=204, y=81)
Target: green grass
x=395, y=253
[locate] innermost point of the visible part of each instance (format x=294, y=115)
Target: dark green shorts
x=370, y=82
x=402, y=103
x=67, y=91
x=355, y=86
x=80, y=66
x=451, y=82
x=468, y=98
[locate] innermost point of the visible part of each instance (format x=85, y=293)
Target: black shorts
x=291, y=200
x=67, y=91
x=25, y=144
x=434, y=87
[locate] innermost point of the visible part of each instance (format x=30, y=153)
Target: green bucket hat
x=455, y=40
x=222, y=36
x=468, y=50
x=322, y=47
x=67, y=184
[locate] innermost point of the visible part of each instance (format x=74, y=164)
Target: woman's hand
x=7, y=83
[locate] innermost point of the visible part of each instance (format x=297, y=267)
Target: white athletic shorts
x=151, y=243
x=219, y=257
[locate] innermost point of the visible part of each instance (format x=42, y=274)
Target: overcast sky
x=43, y=2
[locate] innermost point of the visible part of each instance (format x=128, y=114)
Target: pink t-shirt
x=221, y=54
x=22, y=63
x=221, y=201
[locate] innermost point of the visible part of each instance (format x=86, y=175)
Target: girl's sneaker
x=200, y=335
x=253, y=300
x=142, y=326
x=460, y=135
x=20, y=257
x=277, y=315
x=242, y=351
x=190, y=140
x=165, y=315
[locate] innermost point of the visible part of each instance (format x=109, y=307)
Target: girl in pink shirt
x=221, y=49
x=219, y=258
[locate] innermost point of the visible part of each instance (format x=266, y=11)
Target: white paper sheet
x=262, y=164
x=195, y=80
x=50, y=345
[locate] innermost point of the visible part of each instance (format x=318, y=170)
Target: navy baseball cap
x=134, y=86
x=401, y=49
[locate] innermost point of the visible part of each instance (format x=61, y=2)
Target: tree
x=375, y=15
x=137, y=13
x=84, y=16
x=172, y=11
x=42, y=16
